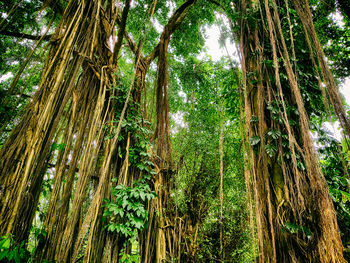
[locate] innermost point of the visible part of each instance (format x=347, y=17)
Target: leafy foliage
x=337, y=175
x=11, y=252
x=210, y=98
x=127, y=214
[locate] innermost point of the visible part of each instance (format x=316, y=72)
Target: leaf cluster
x=126, y=212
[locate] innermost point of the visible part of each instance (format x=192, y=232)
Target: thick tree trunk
x=23, y=156
x=295, y=216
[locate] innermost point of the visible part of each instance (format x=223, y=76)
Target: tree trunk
x=295, y=216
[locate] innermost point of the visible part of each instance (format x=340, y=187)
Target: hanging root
x=285, y=194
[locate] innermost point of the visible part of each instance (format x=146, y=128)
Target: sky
x=213, y=47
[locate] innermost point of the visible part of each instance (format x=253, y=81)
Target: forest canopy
x=122, y=140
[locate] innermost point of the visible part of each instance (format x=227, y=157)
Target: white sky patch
x=157, y=25
x=335, y=128
x=111, y=43
x=213, y=47
x=182, y=96
x=178, y=118
x=6, y=76
x=171, y=5
x=345, y=90
x=338, y=18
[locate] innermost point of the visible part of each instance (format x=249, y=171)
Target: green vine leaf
x=275, y=134
x=254, y=140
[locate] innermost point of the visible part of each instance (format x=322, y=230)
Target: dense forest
x=123, y=141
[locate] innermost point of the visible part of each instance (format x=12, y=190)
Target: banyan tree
x=97, y=128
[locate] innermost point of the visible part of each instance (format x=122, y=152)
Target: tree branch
x=54, y=5
x=23, y=35
x=129, y=40
x=174, y=22
x=121, y=32
x=176, y=19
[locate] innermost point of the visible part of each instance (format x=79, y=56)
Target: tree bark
x=295, y=217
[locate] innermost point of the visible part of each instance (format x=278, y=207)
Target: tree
x=90, y=128
x=290, y=192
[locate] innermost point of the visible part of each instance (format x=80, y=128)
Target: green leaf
x=125, y=203
x=149, y=163
x=270, y=149
x=3, y=254
x=273, y=108
x=254, y=119
x=139, y=224
x=17, y=256
x=301, y=165
x=141, y=166
x=7, y=243
x=143, y=196
x=345, y=196
x=254, y=140
x=111, y=227
x=275, y=134
x=291, y=227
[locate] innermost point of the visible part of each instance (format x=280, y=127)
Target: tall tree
x=295, y=215
x=86, y=129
